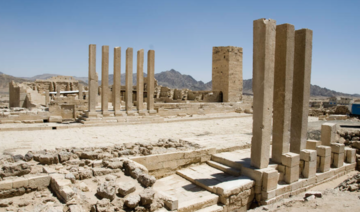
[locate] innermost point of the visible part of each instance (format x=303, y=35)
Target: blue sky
x=52, y=36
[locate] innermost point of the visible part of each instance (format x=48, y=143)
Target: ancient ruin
x=274, y=160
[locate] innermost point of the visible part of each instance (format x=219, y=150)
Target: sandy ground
x=22, y=141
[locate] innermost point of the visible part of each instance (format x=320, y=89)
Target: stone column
x=128, y=80
x=301, y=90
x=117, y=81
x=47, y=98
x=150, y=81
x=140, y=80
x=81, y=90
x=283, y=82
x=263, y=86
x=58, y=91
x=93, y=83
x=105, y=80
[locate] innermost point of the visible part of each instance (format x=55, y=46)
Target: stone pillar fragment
x=47, y=98
x=324, y=158
x=263, y=85
x=291, y=162
x=283, y=80
x=117, y=81
x=93, y=83
x=81, y=90
x=328, y=133
x=150, y=81
x=308, y=157
x=128, y=80
x=105, y=81
x=140, y=80
x=301, y=89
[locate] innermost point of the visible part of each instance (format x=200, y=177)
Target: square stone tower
x=227, y=72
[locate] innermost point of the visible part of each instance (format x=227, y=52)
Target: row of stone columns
x=93, y=87
x=281, y=87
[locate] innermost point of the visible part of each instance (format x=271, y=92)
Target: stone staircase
x=210, y=187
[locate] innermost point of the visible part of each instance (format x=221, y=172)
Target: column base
x=91, y=114
x=132, y=113
x=143, y=113
x=152, y=112
x=119, y=113
x=105, y=113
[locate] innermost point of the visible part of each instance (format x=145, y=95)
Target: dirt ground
x=19, y=142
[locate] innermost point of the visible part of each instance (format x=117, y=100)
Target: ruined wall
x=227, y=72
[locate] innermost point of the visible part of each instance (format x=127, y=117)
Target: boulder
x=48, y=159
x=28, y=156
x=132, y=200
x=106, y=190
x=125, y=188
x=146, y=180
x=85, y=174
x=147, y=196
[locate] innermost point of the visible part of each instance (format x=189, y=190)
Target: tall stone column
x=301, y=89
x=263, y=86
x=150, y=81
x=105, y=81
x=140, y=80
x=128, y=80
x=117, y=81
x=283, y=82
x=81, y=90
x=58, y=91
x=47, y=98
x=93, y=83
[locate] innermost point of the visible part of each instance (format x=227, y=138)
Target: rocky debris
x=248, y=111
x=352, y=184
x=5, y=203
x=110, y=178
x=316, y=194
x=65, y=156
x=15, y=169
x=83, y=187
x=146, y=180
x=85, y=174
x=106, y=190
x=70, y=176
x=125, y=188
x=132, y=200
x=101, y=171
x=18, y=158
x=102, y=206
x=48, y=159
x=134, y=169
x=147, y=196
x=89, y=155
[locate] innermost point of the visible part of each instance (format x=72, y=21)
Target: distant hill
x=6, y=79
x=171, y=79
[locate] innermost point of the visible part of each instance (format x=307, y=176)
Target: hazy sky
x=50, y=36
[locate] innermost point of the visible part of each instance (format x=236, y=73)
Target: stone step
x=224, y=168
x=213, y=208
x=190, y=197
x=231, y=159
x=215, y=180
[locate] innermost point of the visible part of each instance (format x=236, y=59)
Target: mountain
x=315, y=91
x=6, y=79
x=171, y=79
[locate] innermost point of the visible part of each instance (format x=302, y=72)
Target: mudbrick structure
x=179, y=175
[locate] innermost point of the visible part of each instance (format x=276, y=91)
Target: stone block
x=338, y=160
x=324, y=164
x=320, y=177
x=20, y=182
x=296, y=185
x=291, y=174
x=290, y=159
x=350, y=155
x=55, y=119
x=308, y=155
x=323, y=151
x=309, y=170
x=270, y=180
x=328, y=132
x=265, y=195
x=337, y=148
x=282, y=189
x=66, y=193
x=312, y=144
x=39, y=181
x=5, y=185
x=309, y=181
